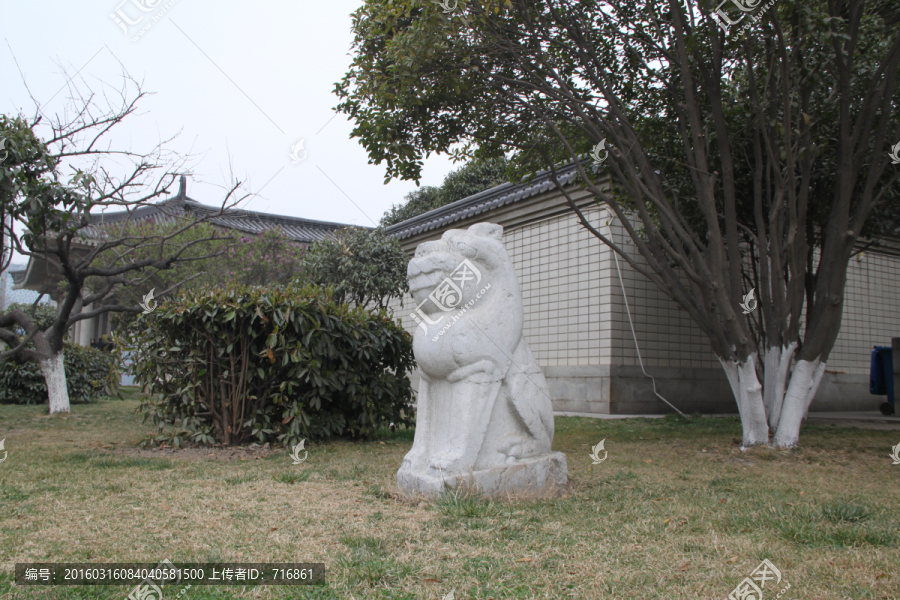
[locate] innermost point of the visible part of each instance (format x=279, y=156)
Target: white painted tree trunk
x=54, y=370
x=748, y=394
x=777, y=367
x=804, y=383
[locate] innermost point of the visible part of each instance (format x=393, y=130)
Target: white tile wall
x=871, y=311
x=575, y=312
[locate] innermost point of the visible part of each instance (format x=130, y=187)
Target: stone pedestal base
x=540, y=477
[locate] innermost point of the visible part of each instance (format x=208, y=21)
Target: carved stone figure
x=485, y=416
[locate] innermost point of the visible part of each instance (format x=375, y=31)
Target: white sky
x=207, y=64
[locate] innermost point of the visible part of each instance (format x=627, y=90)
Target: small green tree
x=364, y=267
x=473, y=177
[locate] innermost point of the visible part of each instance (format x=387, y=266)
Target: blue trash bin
x=881, y=377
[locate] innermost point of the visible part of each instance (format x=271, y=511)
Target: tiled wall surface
x=871, y=311
x=666, y=335
x=558, y=265
x=575, y=313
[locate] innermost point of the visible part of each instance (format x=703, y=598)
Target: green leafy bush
x=240, y=363
x=89, y=373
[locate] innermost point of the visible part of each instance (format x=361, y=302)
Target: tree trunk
x=804, y=383
x=748, y=393
x=54, y=370
x=777, y=367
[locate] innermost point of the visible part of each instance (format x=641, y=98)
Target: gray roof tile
x=481, y=202
x=246, y=221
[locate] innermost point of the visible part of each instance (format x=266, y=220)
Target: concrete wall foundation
x=625, y=390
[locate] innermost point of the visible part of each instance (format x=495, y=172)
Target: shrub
x=89, y=373
x=239, y=363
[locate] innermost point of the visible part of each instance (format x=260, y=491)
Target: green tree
x=473, y=177
x=776, y=139
x=417, y=202
x=364, y=267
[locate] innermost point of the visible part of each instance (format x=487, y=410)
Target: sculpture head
x=450, y=272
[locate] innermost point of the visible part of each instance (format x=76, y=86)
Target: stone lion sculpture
x=484, y=411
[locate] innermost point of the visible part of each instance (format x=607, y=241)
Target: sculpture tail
x=537, y=416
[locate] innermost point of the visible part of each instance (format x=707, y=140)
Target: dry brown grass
x=676, y=511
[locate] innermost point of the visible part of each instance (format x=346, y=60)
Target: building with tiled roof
x=39, y=277
x=600, y=330
x=305, y=231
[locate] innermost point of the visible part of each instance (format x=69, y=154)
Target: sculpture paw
x=412, y=460
x=450, y=461
x=518, y=449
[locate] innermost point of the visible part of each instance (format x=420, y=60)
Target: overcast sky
x=244, y=82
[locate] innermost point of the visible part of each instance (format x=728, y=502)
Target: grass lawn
x=676, y=511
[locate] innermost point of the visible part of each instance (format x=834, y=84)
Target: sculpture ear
x=488, y=230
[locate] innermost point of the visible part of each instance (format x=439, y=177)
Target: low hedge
x=89, y=373
x=238, y=364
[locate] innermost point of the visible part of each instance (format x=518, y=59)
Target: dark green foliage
x=264, y=259
x=363, y=267
x=90, y=373
x=237, y=363
x=417, y=202
x=473, y=177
